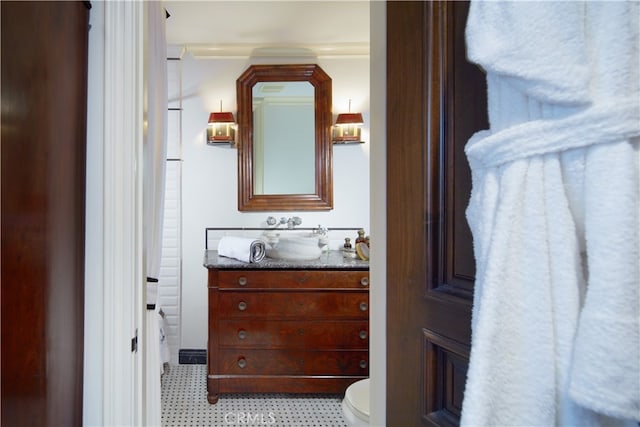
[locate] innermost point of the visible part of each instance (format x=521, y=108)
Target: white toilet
x=355, y=405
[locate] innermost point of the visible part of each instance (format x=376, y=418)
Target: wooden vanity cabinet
x=287, y=331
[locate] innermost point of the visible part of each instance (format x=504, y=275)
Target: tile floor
x=184, y=403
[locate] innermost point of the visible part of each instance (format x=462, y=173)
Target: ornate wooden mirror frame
x=323, y=197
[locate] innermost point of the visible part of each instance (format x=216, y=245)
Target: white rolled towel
x=242, y=248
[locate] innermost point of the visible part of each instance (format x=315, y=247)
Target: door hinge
x=134, y=343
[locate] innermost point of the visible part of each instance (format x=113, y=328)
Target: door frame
x=114, y=270
x=378, y=213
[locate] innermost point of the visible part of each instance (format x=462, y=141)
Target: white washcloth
x=242, y=248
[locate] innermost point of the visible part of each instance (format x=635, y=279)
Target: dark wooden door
x=43, y=86
x=435, y=101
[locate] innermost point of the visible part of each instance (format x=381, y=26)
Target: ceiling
x=230, y=28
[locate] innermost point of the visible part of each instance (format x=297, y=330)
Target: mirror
x=284, y=138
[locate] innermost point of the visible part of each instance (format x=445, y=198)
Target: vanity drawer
x=293, y=279
x=292, y=362
x=283, y=305
x=349, y=334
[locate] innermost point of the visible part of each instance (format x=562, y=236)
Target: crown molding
x=250, y=50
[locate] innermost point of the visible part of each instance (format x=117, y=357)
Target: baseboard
x=192, y=356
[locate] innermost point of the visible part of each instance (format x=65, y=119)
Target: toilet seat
x=356, y=401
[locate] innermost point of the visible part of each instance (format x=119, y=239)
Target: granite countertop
x=330, y=260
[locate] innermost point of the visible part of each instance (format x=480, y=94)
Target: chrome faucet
x=291, y=222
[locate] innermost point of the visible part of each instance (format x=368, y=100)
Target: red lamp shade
x=221, y=117
x=349, y=119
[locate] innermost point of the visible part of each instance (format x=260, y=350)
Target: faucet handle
x=322, y=231
x=292, y=222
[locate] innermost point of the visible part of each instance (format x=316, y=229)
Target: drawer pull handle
x=363, y=364
x=242, y=334
x=364, y=281
x=242, y=281
x=364, y=306
x=300, y=331
x=242, y=306
x=363, y=334
x=242, y=363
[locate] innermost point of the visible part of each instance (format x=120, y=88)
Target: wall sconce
x=221, y=128
x=347, y=128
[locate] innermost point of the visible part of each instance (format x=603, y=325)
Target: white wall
x=378, y=262
x=209, y=179
x=93, y=384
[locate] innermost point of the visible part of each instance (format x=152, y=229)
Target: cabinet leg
x=212, y=391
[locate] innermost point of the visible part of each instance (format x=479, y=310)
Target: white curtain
x=555, y=215
x=155, y=149
x=155, y=142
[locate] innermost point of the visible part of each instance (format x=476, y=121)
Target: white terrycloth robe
x=554, y=213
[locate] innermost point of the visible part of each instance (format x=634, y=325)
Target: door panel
x=435, y=102
x=43, y=152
